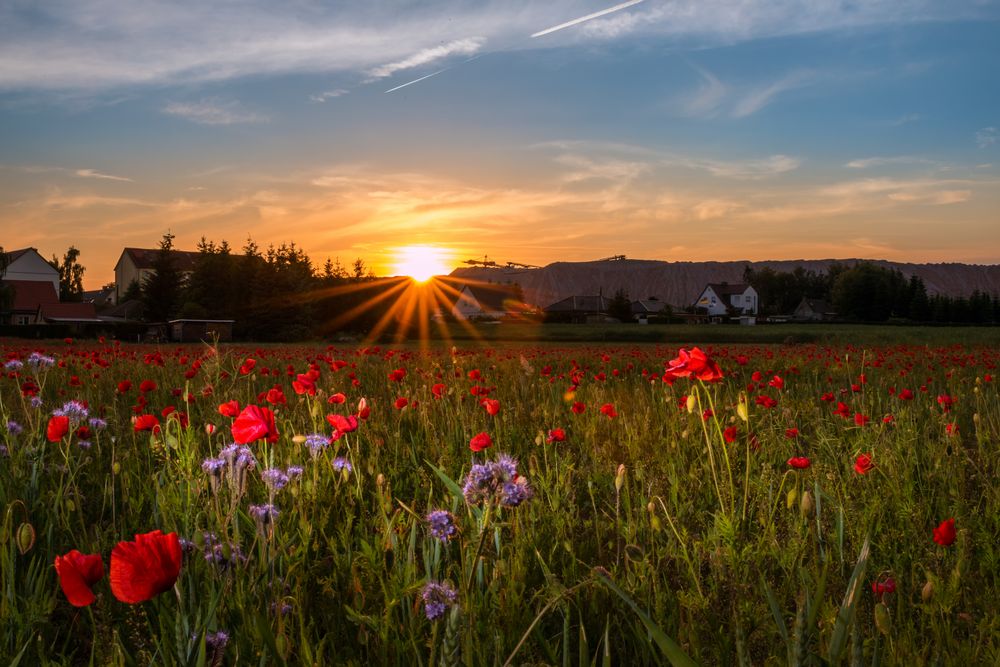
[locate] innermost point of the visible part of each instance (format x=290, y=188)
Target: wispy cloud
x=329, y=95
x=93, y=173
x=749, y=169
x=986, y=137
x=463, y=47
x=214, y=112
x=905, y=119
x=868, y=162
x=756, y=99
x=707, y=98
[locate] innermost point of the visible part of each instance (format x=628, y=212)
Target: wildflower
x=608, y=410
x=216, y=641
x=402, y=402
x=491, y=405
x=77, y=574
x=438, y=597
x=342, y=425
x=791, y=433
x=397, y=375
x=124, y=386
x=147, y=386
x=480, y=442
x=556, y=435
x=730, y=433
x=294, y=471
x=14, y=428
x=253, y=424
x=75, y=410
x=143, y=569
x=881, y=587
x=498, y=479
x=316, y=443
x=863, y=464
x=264, y=516
x=578, y=408
x=57, y=428
x=694, y=363
x=341, y=464
x=13, y=365
x=944, y=534
x=438, y=390
x=213, y=466
x=229, y=409
x=37, y=360
x=97, y=423
x=36, y=402
x=146, y=423
x=274, y=478
x=441, y=524
x=336, y=399
x=799, y=462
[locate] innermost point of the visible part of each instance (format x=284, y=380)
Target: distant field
x=719, y=333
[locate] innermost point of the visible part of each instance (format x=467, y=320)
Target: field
x=597, y=503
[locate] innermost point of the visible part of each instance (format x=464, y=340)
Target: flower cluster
x=438, y=597
x=496, y=479
x=441, y=524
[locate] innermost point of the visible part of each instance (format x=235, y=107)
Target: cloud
x=905, y=119
x=986, y=137
x=707, y=98
x=464, y=47
x=93, y=173
x=865, y=163
x=214, y=112
x=329, y=95
x=750, y=169
x=755, y=100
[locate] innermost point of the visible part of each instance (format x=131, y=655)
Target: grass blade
x=845, y=617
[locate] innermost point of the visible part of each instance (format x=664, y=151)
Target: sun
x=421, y=262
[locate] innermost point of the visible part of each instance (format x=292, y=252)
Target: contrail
x=588, y=17
x=410, y=83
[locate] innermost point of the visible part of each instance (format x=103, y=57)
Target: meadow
x=540, y=504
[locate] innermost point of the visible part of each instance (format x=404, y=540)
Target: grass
x=673, y=532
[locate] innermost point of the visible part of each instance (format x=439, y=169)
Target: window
x=21, y=320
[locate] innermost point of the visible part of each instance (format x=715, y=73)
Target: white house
x=28, y=265
x=484, y=302
x=136, y=264
x=719, y=299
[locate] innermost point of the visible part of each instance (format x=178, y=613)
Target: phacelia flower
x=438, y=597
x=441, y=524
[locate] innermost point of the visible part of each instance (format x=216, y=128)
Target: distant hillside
x=680, y=283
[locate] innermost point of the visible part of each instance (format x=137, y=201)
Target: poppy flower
x=863, y=464
x=363, y=409
x=694, y=363
x=77, y=574
x=253, y=424
x=143, y=569
x=397, y=375
x=438, y=390
x=275, y=396
x=229, y=409
x=57, y=429
x=147, y=385
x=402, y=402
x=247, y=366
x=556, y=435
x=146, y=423
x=944, y=534
x=480, y=442
x=799, y=462
x=305, y=384
x=342, y=424
x=491, y=405
x=730, y=433
x=578, y=408
x=608, y=410
x=791, y=433
x=884, y=586
x=124, y=386
x=336, y=399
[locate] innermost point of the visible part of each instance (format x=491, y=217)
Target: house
x=481, y=301
x=77, y=315
x=101, y=298
x=136, y=264
x=28, y=265
x=579, y=309
x=644, y=309
x=29, y=296
x=724, y=299
x=813, y=310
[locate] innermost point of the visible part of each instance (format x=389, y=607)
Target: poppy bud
x=25, y=537
x=806, y=505
x=741, y=410
x=650, y=507
x=792, y=499
x=927, y=592
x=380, y=480
x=691, y=402
x=116, y=468
x=209, y=429
x=882, y=620
x=199, y=539
x=620, y=478
x=298, y=439
x=975, y=418
x=655, y=523
x=70, y=505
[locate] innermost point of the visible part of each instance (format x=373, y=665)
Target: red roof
x=29, y=294
x=69, y=312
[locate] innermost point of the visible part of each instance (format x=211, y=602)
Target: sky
x=533, y=132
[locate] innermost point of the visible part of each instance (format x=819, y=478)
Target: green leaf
x=845, y=617
x=453, y=486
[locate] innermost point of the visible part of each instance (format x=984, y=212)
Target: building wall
x=32, y=266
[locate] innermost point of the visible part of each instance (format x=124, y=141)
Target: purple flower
x=316, y=443
x=438, y=597
x=497, y=479
x=264, y=515
x=14, y=365
x=75, y=410
x=441, y=524
x=341, y=464
x=14, y=428
x=294, y=471
x=275, y=478
x=98, y=424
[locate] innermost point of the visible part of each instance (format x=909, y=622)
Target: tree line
x=866, y=292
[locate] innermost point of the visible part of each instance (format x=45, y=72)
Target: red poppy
x=124, y=386
x=694, y=363
x=777, y=382
x=363, y=409
x=146, y=423
x=951, y=429
x=57, y=429
x=905, y=395
x=799, y=462
x=860, y=419
x=480, y=442
x=438, y=390
x=863, y=464
x=402, y=402
x=275, y=396
x=609, y=411
x=229, y=409
x=143, y=569
x=791, y=433
x=730, y=433
x=342, y=425
x=397, y=375
x=884, y=586
x=253, y=424
x=336, y=399
x=578, y=408
x=306, y=384
x=556, y=435
x=491, y=405
x=147, y=385
x=944, y=534
x=77, y=573
x=247, y=366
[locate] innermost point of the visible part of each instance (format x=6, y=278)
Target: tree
x=620, y=306
x=70, y=275
x=161, y=291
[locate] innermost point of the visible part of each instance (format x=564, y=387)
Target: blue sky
x=668, y=130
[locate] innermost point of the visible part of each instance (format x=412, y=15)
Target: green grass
x=649, y=537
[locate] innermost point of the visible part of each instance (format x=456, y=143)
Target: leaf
x=453, y=486
x=845, y=617
x=779, y=618
x=668, y=646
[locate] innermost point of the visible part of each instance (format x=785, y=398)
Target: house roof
x=580, y=304
x=493, y=297
x=124, y=309
x=816, y=305
x=29, y=294
x=69, y=312
x=647, y=306
x=143, y=258
x=728, y=289
x=13, y=255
